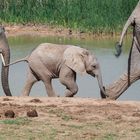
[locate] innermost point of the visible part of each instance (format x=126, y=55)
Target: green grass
x=110, y=136
x=17, y=121
x=61, y=114
x=96, y=16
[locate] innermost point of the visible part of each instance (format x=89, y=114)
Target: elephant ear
x=74, y=58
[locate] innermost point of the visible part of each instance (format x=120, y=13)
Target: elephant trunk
x=100, y=83
x=102, y=89
x=115, y=89
x=5, y=70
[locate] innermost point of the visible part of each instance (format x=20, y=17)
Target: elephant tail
x=20, y=60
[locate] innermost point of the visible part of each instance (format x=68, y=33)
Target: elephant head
x=131, y=21
x=82, y=61
x=5, y=51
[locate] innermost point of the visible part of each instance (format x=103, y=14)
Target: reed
x=93, y=15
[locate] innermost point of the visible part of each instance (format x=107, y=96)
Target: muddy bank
x=44, y=30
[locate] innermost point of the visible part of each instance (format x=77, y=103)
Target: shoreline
x=44, y=30
x=26, y=100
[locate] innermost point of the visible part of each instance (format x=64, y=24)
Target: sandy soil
x=69, y=118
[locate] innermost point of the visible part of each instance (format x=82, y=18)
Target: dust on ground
x=69, y=119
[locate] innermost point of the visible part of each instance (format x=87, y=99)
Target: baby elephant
x=50, y=61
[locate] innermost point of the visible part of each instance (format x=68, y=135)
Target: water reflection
x=111, y=67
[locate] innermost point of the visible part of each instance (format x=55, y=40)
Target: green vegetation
x=110, y=136
x=60, y=113
x=96, y=16
x=17, y=121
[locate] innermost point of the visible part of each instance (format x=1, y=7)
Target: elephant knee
x=71, y=86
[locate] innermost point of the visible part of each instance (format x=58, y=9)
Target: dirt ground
x=69, y=119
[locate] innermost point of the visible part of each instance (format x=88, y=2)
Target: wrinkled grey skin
x=118, y=87
x=50, y=61
x=4, y=49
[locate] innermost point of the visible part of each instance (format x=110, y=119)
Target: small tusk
x=2, y=58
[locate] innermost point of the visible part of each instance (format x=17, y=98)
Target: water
x=111, y=67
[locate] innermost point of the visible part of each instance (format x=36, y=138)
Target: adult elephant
x=133, y=74
x=50, y=61
x=5, y=53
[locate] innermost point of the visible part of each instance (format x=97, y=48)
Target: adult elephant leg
x=68, y=78
x=31, y=79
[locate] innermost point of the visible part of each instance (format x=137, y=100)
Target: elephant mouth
x=91, y=73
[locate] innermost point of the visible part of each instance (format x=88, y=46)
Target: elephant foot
x=24, y=95
x=58, y=95
x=68, y=93
x=111, y=98
x=69, y=96
x=54, y=95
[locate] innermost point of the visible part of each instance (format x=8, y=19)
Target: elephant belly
x=45, y=66
x=44, y=71
x=47, y=58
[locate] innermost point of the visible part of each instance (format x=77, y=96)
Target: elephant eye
x=94, y=66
